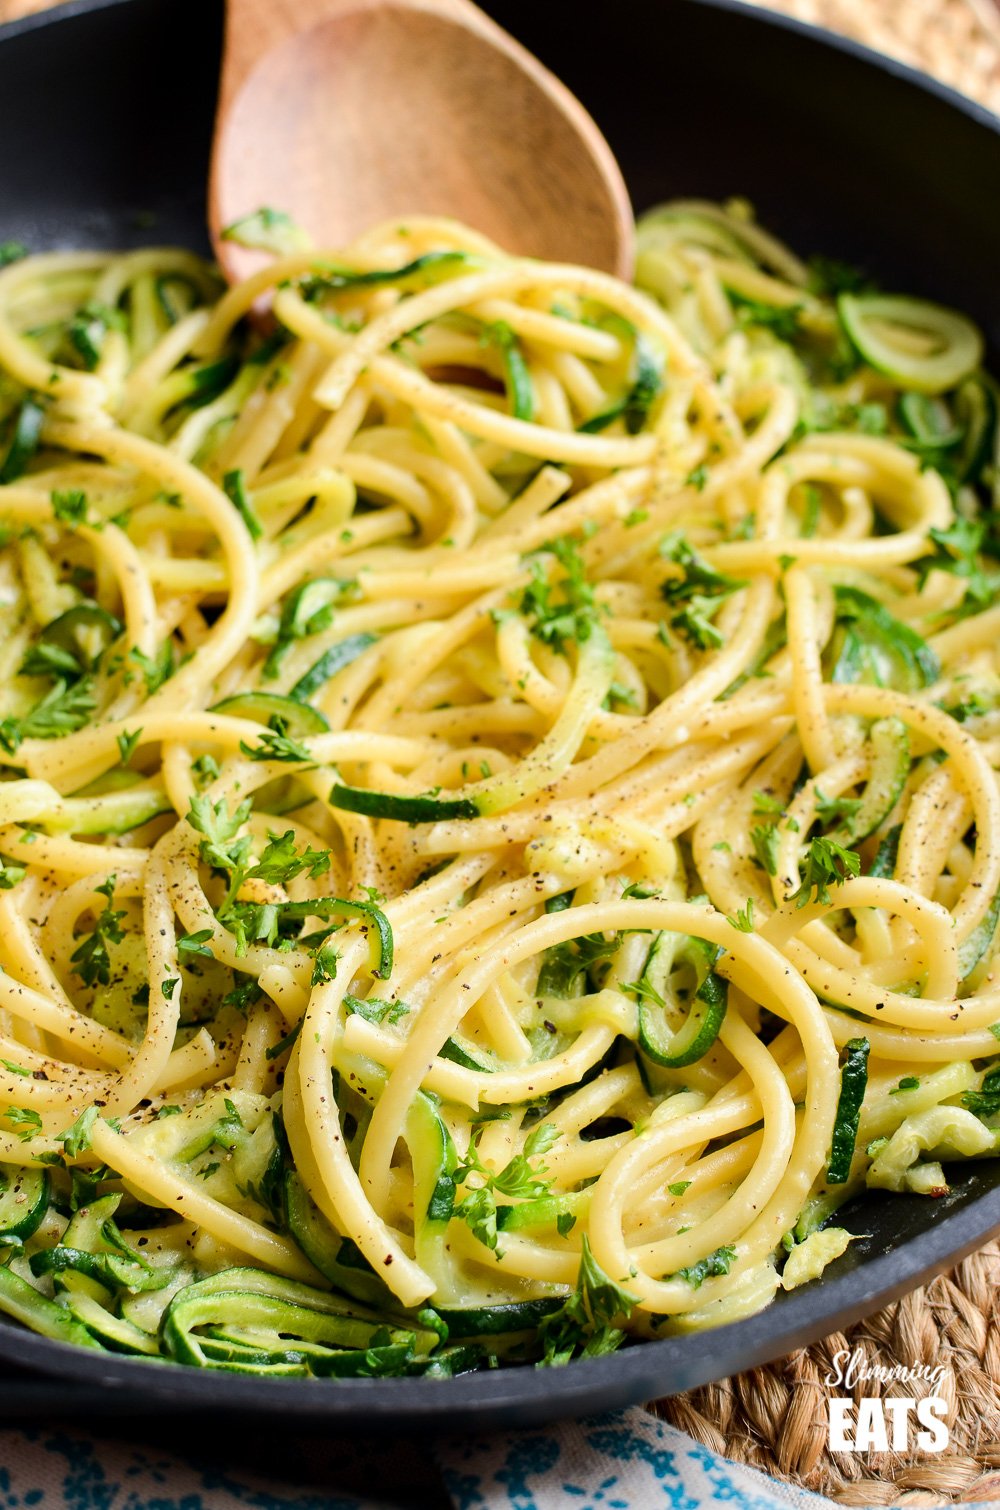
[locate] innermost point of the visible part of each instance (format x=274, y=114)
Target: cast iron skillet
x=105, y=121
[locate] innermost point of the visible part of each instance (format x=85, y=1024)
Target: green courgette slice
x=919, y=345
x=24, y=1200
x=853, y=1083
x=402, y=809
x=297, y=719
x=660, y=1040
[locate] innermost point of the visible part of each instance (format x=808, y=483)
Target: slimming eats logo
x=878, y=1423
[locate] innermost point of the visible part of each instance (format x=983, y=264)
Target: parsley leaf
x=713, y=1264
x=697, y=594
x=76, y=1139
x=90, y=958
x=985, y=1102
x=69, y=506
x=25, y=1121
x=585, y=1326
x=325, y=965
x=564, y=964
x=743, y=920
x=195, y=943
x=831, y=809
x=62, y=710
x=220, y=848
x=275, y=744
x=956, y=551
x=764, y=839
x=564, y=610
x=372, y=1009
x=523, y=1177
x=827, y=864
x=155, y=669
x=127, y=741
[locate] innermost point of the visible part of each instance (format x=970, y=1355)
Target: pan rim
x=638, y=1372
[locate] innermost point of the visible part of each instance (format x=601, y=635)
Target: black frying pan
x=105, y=122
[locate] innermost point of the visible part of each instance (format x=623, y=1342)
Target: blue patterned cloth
x=630, y=1461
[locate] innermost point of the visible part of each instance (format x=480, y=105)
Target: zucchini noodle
x=499, y=833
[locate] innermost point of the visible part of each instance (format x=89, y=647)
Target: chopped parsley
x=833, y=809
x=90, y=958
x=957, y=551
x=76, y=1139
x=63, y=709
x=764, y=839
x=194, y=944
x=24, y=1120
x=827, y=864
x=742, y=921
x=985, y=1102
x=564, y=610
x=372, y=1009
x=275, y=744
x=69, y=506
x=155, y=669
x=325, y=965
x=523, y=1178
x=713, y=1264
x=127, y=741
x=585, y=1327
x=697, y=594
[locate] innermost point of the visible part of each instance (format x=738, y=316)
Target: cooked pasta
x=499, y=830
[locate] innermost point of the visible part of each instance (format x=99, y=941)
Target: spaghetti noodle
x=498, y=823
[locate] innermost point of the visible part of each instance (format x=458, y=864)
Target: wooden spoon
x=347, y=112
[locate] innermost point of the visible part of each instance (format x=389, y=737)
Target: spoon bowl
x=345, y=113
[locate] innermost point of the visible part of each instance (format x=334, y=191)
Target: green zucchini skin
x=973, y=949
x=853, y=1083
x=24, y=1200
x=21, y=1301
x=703, y=1023
x=115, y=1333
x=337, y=1260
x=464, y=1322
x=245, y=1320
x=329, y=664
x=430, y=268
x=399, y=808
x=862, y=315
x=23, y=444
x=875, y=642
x=890, y=768
x=299, y=719
x=63, y=633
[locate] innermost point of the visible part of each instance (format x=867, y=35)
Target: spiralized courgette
x=499, y=828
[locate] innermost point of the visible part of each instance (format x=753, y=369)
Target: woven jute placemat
x=777, y=1418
